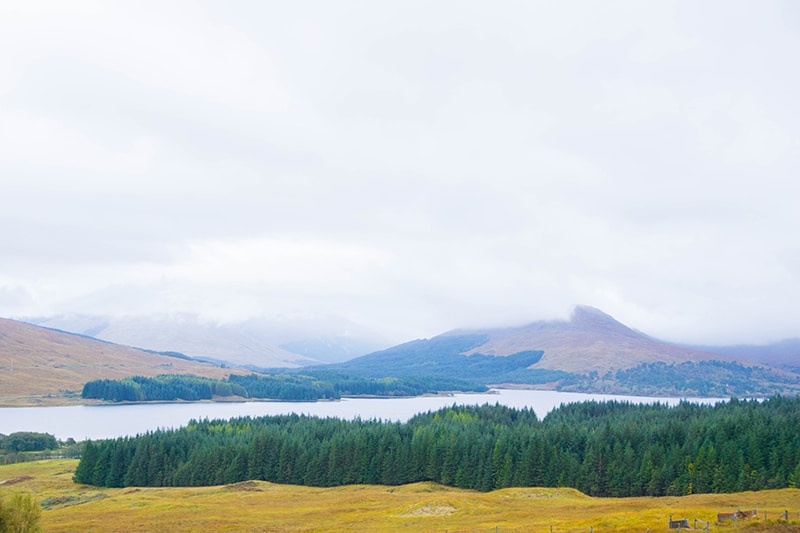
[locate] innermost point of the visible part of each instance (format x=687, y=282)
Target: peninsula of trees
x=319, y=385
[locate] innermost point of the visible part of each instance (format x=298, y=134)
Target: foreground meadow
x=422, y=507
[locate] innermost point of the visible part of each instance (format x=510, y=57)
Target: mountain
x=257, y=343
x=183, y=333
x=591, y=352
x=40, y=365
x=590, y=341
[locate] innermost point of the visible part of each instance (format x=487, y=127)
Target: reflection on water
x=107, y=421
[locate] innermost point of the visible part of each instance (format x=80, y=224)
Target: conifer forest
x=599, y=448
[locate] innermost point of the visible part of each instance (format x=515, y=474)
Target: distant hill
x=590, y=341
x=255, y=343
x=37, y=363
x=783, y=354
x=591, y=352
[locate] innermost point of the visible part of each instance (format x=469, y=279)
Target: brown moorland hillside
x=184, y=334
x=590, y=341
x=40, y=366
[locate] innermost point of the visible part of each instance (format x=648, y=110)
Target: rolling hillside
x=415, y=508
x=591, y=352
x=40, y=365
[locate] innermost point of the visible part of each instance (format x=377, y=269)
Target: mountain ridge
x=591, y=352
x=253, y=343
x=44, y=365
x=590, y=341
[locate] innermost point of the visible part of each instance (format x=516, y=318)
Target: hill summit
x=590, y=341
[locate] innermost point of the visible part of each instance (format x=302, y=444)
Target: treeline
x=293, y=387
x=27, y=441
x=722, y=379
x=166, y=387
x=603, y=449
x=707, y=378
x=25, y=446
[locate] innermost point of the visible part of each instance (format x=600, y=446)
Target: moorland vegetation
x=417, y=508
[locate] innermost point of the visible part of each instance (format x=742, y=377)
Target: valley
x=590, y=353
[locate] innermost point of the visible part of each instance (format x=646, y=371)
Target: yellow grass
x=422, y=507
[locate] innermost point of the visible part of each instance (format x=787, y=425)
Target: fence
x=682, y=523
x=765, y=514
x=785, y=515
x=677, y=524
x=723, y=517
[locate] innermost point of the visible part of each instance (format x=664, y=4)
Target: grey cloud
x=508, y=160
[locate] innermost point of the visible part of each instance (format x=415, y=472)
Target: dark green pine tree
x=84, y=472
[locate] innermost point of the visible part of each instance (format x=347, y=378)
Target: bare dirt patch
x=14, y=480
x=246, y=486
x=58, y=502
x=440, y=509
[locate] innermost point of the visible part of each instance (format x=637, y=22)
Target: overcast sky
x=412, y=166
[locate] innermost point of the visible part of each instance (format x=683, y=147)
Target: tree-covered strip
x=27, y=441
x=166, y=387
x=702, y=378
x=603, y=449
x=293, y=387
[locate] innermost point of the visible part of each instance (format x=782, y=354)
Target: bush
x=20, y=514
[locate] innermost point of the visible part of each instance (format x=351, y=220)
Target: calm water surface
x=108, y=421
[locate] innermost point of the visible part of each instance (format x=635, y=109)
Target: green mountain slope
x=592, y=352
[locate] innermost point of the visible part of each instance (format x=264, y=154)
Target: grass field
x=422, y=507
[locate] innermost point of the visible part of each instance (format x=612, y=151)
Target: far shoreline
x=69, y=400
